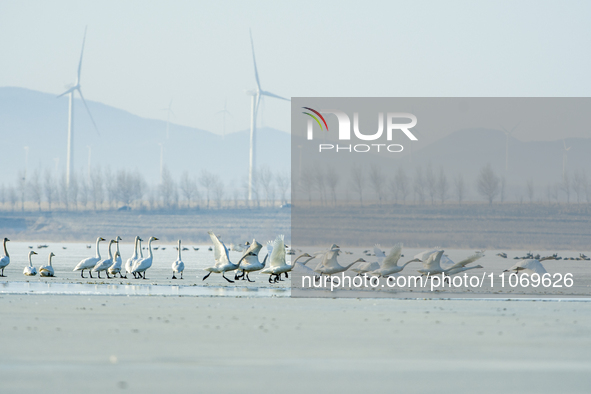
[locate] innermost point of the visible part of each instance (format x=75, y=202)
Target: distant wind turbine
x=168, y=113
x=507, y=134
x=224, y=112
x=70, y=92
x=254, y=105
x=564, y=158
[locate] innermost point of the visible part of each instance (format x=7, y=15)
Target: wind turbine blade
x=265, y=93
x=89, y=114
x=67, y=91
x=81, y=53
x=256, y=73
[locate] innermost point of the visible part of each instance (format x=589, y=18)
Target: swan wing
x=393, y=256
x=468, y=260
x=221, y=255
x=380, y=255
x=278, y=254
x=424, y=255
x=433, y=262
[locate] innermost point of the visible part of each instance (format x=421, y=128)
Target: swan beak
x=102, y=239
x=33, y=252
x=155, y=239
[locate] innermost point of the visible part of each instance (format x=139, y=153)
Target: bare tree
x=188, y=187
x=402, y=186
x=419, y=186
x=49, y=188
x=96, y=188
x=73, y=191
x=12, y=197
x=332, y=180
x=218, y=192
x=460, y=188
x=83, y=192
x=207, y=181
x=377, y=181
x=357, y=182
x=35, y=189
x=265, y=177
x=530, y=190
x=442, y=186
x=578, y=185
x=63, y=191
x=565, y=186
x=319, y=183
x=282, y=182
x=167, y=189
x=306, y=183
x=488, y=183
x=431, y=182
x=22, y=187
x=110, y=187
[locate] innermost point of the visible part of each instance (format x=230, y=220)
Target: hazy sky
x=141, y=54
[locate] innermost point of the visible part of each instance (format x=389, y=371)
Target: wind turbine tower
x=254, y=105
x=70, y=92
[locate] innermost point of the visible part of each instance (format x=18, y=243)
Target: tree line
x=103, y=189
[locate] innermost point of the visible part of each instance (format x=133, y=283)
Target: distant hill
x=40, y=121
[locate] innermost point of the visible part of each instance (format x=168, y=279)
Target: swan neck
x=50, y=256
x=179, y=258
x=118, y=247
x=297, y=258
x=30, y=262
x=150, y=247
x=98, y=253
x=351, y=265
x=110, y=253
x=5, y=250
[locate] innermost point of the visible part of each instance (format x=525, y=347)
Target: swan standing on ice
x=390, y=264
x=131, y=261
x=4, y=260
x=30, y=270
x=105, y=264
x=277, y=263
x=222, y=259
x=89, y=263
x=142, y=265
x=47, y=270
x=178, y=266
x=250, y=262
x=530, y=266
x=116, y=267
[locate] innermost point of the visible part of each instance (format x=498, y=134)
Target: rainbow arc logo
x=315, y=118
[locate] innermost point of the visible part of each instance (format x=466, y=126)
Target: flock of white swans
x=433, y=262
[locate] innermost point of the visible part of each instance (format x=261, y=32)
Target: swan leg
x=90, y=273
x=107, y=273
x=224, y=276
x=286, y=276
x=99, y=274
x=249, y=278
x=173, y=277
x=82, y=274
x=206, y=276
x=144, y=274
x=2, y=275
x=181, y=275
x=270, y=278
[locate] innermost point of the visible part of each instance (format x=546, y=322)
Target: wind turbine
x=564, y=157
x=254, y=105
x=70, y=92
x=168, y=112
x=224, y=112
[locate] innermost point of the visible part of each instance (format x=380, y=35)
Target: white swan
x=89, y=263
x=30, y=270
x=222, y=259
x=330, y=266
x=390, y=264
x=4, y=260
x=277, y=263
x=424, y=255
x=105, y=264
x=457, y=270
x=47, y=270
x=366, y=267
x=453, y=268
x=116, y=267
x=530, y=266
x=178, y=266
x=131, y=261
x=250, y=262
x=142, y=265
x=432, y=266
x=301, y=268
